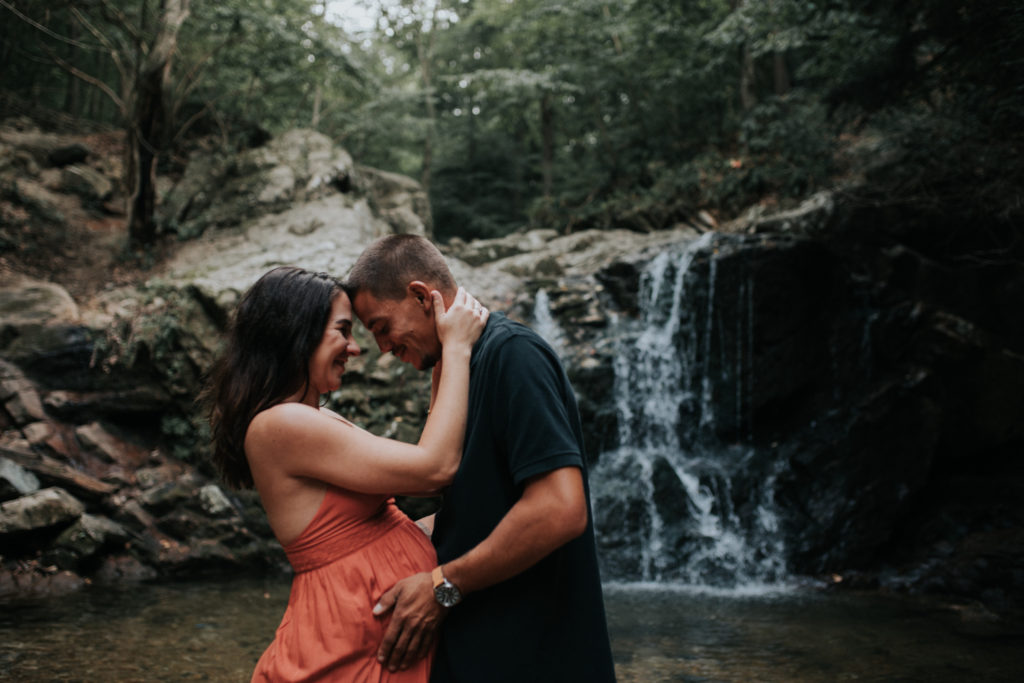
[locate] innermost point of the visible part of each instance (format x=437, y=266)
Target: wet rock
x=87, y=406
x=86, y=537
x=132, y=515
x=399, y=200
x=214, y=502
x=181, y=524
x=48, y=437
x=813, y=215
x=36, y=581
x=208, y=555
x=149, y=477
x=40, y=332
x=15, y=480
x=119, y=569
x=86, y=182
x=20, y=399
x=40, y=510
x=165, y=497
x=25, y=406
x=94, y=437
x=65, y=155
x=37, y=432
x=54, y=472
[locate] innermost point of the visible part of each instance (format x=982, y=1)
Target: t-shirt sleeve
x=530, y=409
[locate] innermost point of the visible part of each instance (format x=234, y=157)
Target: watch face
x=447, y=594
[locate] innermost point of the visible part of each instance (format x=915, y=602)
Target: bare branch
x=115, y=54
x=91, y=80
x=123, y=21
x=208, y=107
x=190, y=80
x=56, y=36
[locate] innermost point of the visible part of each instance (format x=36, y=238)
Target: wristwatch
x=445, y=592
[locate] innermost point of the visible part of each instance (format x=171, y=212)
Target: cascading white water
x=545, y=324
x=672, y=502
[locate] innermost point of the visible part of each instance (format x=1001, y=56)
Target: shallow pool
x=215, y=631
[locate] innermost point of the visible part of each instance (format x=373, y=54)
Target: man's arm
x=551, y=512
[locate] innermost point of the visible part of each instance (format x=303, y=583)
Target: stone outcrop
x=221, y=190
x=38, y=511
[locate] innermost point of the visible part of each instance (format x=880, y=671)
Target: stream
x=216, y=630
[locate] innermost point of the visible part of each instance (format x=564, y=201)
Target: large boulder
x=221, y=189
x=27, y=303
x=44, y=509
x=88, y=536
x=399, y=200
x=41, y=328
x=86, y=182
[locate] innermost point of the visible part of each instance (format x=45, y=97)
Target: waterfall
x=676, y=501
x=545, y=324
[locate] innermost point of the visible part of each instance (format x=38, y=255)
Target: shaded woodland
x=566, y=115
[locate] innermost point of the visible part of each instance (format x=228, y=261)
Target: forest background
x=569, y=114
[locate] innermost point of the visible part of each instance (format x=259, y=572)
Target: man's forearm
x=551, y=512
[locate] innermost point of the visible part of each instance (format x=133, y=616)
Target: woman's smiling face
x=327, y=364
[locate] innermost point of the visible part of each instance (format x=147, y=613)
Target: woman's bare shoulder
x=286, y=412
x=327, y=412
x=283, y=419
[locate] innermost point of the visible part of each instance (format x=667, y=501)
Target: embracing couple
x=502, y=583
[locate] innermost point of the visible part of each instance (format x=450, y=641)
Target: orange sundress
x=355, y=548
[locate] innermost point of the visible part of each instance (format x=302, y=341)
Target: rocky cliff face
x=875, y=383
x=868, y=379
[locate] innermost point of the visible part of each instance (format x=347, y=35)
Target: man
x=516, y=595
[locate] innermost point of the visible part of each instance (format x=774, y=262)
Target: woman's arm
x=297, y=440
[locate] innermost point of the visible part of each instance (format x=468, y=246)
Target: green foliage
x=570, y=113
x=788, y=149
x=264, y=63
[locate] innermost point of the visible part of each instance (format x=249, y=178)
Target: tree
x=412, y=27
x=147, y=122
x=232, y=68
x=588, y=98
x=142, y=59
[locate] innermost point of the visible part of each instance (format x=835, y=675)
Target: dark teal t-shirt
x=548, y=623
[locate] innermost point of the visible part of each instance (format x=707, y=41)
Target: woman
x=326, y=484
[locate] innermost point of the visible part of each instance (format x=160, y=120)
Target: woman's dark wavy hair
x=277, y=326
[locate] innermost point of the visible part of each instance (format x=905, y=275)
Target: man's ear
x=419, y=290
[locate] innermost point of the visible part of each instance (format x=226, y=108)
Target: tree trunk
x=747, y=75
x=425, y=52
x=547, y=127
x=73, y=93
x=147, y=125
x=317, y=101
x=747, y=97
x=780, y=73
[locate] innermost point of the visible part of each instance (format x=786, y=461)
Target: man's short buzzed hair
x=388, y=265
